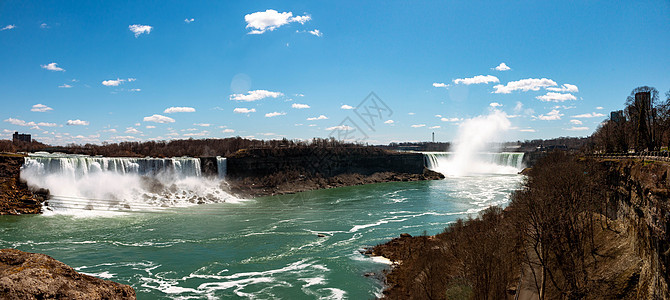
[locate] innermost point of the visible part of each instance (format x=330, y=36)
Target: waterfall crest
x=482, y=163
x=79, y=182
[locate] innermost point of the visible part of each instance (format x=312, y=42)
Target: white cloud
x=418, y=125
x=591, y=115
x=158, y=119
x=518, y=107
x=299, y=106
x=19, y=122
x=599, y=107
x=566, y=88
x=556, y=97
x=150, y=126
x=52, y=67
x=340, y=127
x=495, y=104
x=344, y=106
x=228, y=130
x=438, y=116
x=450, y=119
x=178, y=109
x=269, y=20
x=135, y=90
x=316, y=32
x=140, y=29
x=188, y=21
x=274, y=114
x=576, y=122
x=440, y=84
x=242, y=110
x=573, y=128
x=530, y=84
x=502, y=67
x=8, y=27
x=434, y=127
x=527, y=130
x=551, y=116
x=411, y=113
x=477, y=79
x=116, y=82
x=388, y=122
x=65, y=86
x=41, y=108
x=255, y=95
x=202, y=124
x=44, y=25
x=132, y=130
x=321, y=117
x=77, y=122
x=45, y=124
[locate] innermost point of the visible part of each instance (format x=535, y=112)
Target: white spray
x=86, y=185
x=469, y=151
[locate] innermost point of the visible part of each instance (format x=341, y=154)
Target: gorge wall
x=641, y=199
x=262, y=172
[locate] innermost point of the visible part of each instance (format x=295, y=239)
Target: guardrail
x=647, y=155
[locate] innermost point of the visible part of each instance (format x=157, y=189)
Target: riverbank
x=578, y=228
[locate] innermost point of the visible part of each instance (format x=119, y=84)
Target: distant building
x=617, y=116
x=23, y=137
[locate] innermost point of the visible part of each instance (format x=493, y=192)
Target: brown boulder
x=37, y=276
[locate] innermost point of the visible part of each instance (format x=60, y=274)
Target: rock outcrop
x=37, y=276
x=266, y=172
x=15, y=197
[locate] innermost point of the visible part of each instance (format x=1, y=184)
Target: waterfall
x=221, y=166
x=482, y=163
x=79, y=182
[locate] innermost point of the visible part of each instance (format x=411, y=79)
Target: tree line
x=643, y=124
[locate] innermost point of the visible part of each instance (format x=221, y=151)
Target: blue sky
x=89, y=72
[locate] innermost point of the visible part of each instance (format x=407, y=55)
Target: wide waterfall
x=79, y=182
x=482, y=163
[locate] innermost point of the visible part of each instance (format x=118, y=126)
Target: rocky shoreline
x=26, y=275
x=15, y=196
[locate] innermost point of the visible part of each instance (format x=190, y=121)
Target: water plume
x=474, y=151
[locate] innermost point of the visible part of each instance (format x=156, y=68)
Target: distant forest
x=175, y=148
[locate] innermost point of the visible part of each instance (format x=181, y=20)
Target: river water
x=262, y=248
x=257, y=249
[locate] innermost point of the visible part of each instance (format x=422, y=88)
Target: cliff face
x=264, y=172
x=15, y=197
x=37, y=276
x=324, y=161
x=641, y=200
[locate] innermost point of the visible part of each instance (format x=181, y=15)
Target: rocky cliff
x=37, y=276
x=263, y=172
x=15, y=197
x=641, y=200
